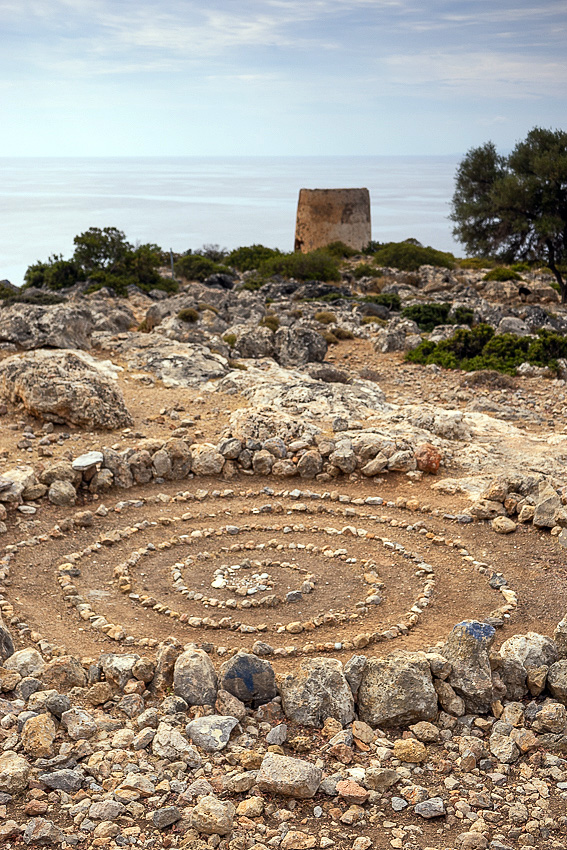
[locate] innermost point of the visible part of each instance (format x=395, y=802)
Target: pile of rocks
x=529, y=499
x=95, y=752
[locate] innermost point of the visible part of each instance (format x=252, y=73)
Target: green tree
x=56, y=273
x=515, y=207
x=98, y=248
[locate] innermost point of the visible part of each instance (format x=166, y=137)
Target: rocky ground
x=234, y=550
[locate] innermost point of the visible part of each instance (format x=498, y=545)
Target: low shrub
x=481, y=349
x=342, y=333
x=250, y=257
x=43, y=299
x=325, y=317
x=202, y=305
x=55, y=274
x=373, y=320
x=230, y=339
x=254, y=284
x=316, y=265
x=189, y=315
x=329, y=337
x=463, y=316
x=408, y=256
x=340, y=251
x=197, y=267
x=502, y=273
x=391, y=300
x=366, y=270
x=270, y=321
x=427, y=316
x=476, y=263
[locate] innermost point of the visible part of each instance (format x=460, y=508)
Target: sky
x=277, y=77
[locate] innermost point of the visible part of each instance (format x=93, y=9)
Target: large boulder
x=297, y=346
x=194, y=678
x=67, y=387
x=319, y=690
x=530, y=650
x=397, y=690
x=255, y=342
x=37, y=326
x=248, y=678
x=547, y=504
x=467, y=648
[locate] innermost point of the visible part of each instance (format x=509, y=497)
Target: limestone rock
x=62, y=493
x=530, y=650
x=397, y=690
x=248, y=678
x=78, y=723
x=194, y=678
x=467, y=649
x=27, y=662
x=548, y=502
x=557, y=680
x=38, y=736
x=42, y=831
x=169, y=743
x=410, y=750
x=288, y=776
x=64, y=673
x=296, y=346
x=213, y=816
x=206, y=459
x=64, y=386
x=503, y=525
x=211, y=733
x=14, y=773
x=319, y=690
x=560, y=638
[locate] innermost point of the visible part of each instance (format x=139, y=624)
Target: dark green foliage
x=476, y=263
x=325, y=317
x=188, y=314
x=230, y=339
x=270, y=321
x=254, y=284
x=250, y=257
x=515, y=207
x=340, y=251
x=501, y=273
x=197, y=267
x=521, y=268
x=428, y=316
x=316, y=265
x=105, y=259
x=481, y=348
x=463, y=316
x=44, y=299
x=366, y=270
x=391, y=300
x=55, y=274
x=408, y=256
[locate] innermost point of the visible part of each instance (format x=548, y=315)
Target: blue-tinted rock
x=248, y=678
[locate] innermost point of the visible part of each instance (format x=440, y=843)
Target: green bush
x=270, y=321
x=43, y=299
x=254, y=284
x=197, y=267
x=340, y=251
x=329, y=337
x=55, y=274
x=391, y=300
x=188, y=314
x=373, y=320
x=463, y=316
x=250, y=257
x=480, y=348
x=325, y=317
x=316, y=265
x=230, y=339
x=408, y=256
x=427, y=316
x=476, y=263
x=366, y=270
x=501, y=273
x=521, y=268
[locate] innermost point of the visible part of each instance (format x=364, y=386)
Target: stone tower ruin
x=332, y=215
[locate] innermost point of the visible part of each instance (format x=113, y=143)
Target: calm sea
x=183, y=203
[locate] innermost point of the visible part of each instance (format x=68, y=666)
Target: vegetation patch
x=342, y=333
x=270, y=321
x=251, y=257
x=391, y=300
x=198, y=267
x=189, y=315
x=325, y=317
x=230, y=339
x=315, y=265
x=410, y=255
x=366, y=270
x=481, y=348
x=340, y=251
x=502, y=273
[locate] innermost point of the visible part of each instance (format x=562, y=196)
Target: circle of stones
x=68, y=570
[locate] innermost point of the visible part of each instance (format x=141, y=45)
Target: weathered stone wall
x=331, y=215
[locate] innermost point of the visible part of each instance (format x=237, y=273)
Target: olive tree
x=515, y=207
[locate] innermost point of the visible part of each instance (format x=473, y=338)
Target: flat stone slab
x=87, y=460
